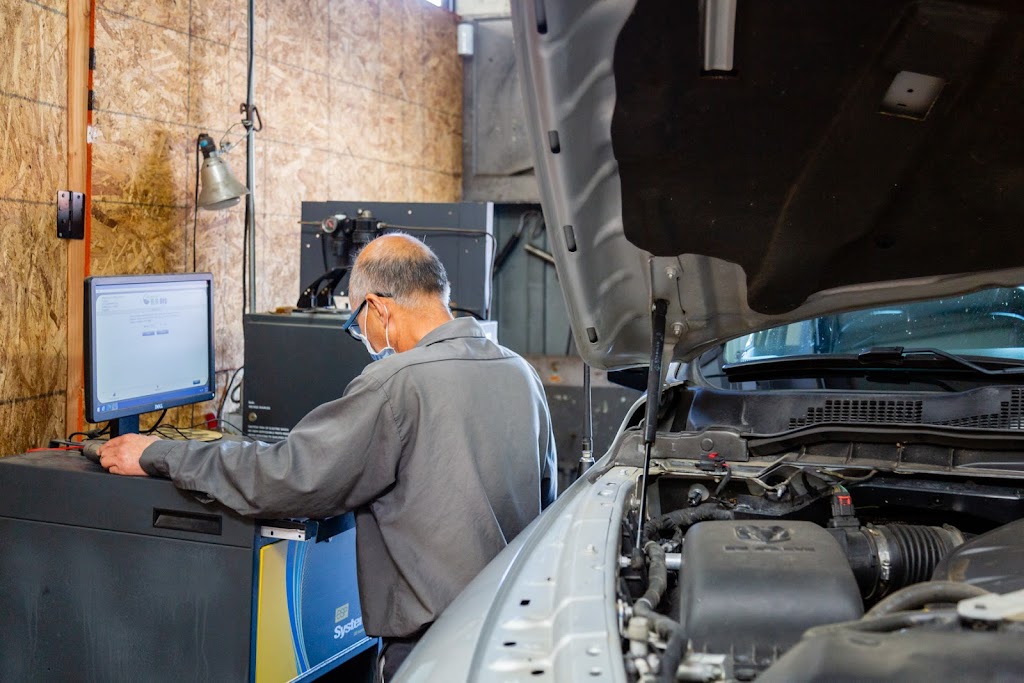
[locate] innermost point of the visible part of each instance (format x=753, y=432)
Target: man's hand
x=121, y=455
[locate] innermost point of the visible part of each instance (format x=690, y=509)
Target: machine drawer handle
x=187, y=521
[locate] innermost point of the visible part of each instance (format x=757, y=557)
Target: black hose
x=887, y=623
x=657, y=575
x=673, y=655
x=921, y=594
x=669, y=629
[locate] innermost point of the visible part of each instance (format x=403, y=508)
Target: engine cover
x=753, y=587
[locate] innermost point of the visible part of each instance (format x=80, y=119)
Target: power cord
x=227, y=392
x=195, y=211
x=459, y=231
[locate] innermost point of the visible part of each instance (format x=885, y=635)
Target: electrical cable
x=233, y=426
x=162, y=431
x=224, y=149
x=456, y=309
x=195, y=210
x=91, y=434
x=245, y=254
x=205, y=426
x=679, y=290
x=726, y=478
x=459, y=231
x=227, y=390
x=156, y=425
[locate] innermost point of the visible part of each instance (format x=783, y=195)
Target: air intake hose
x=887, y=557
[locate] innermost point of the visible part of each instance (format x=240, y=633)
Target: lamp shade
x=220, y=189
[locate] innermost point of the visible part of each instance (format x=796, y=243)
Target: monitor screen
x=148, y=343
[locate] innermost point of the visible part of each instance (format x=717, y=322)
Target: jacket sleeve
x=549, y=471
x=339, y=457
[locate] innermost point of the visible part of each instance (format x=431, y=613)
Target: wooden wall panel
x=33, y=327
x=34, y=64
x=172, y=14
x=29, y=422
x=355, y=49
x=142, y=68
x=139, y=238
x=33, y=144
x=32, y=320
x=298, y=34
x=159, y=171
x=307, y=171
x=295, y=104
x=217, y=88
x=355, y=120
x=279, y=284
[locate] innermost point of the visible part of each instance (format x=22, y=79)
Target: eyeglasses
x=352, y=324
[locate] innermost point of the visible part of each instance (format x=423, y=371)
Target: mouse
x=91, y=449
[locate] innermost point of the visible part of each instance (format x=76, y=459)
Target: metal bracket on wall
x=70, y=215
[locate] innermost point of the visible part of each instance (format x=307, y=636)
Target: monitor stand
x=124, y=425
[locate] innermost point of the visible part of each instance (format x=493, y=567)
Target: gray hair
x=406, y=274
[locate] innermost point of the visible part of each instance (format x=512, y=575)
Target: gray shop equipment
x=109, y=578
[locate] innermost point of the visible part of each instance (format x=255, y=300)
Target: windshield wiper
x=898, y=355
x=877, y=359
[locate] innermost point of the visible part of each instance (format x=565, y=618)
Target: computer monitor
x=148, y=346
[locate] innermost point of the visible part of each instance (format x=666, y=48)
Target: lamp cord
x=195, y=211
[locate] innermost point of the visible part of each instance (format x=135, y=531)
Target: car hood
x=858, y=152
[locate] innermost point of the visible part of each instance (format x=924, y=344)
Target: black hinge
x=70, y=215
x=92, y=59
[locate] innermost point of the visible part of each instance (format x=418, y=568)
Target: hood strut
x=587, y=458
x=658, y=311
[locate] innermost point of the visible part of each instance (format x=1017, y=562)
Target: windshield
x=986, y=323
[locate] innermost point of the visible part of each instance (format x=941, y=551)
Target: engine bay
x=794, y=568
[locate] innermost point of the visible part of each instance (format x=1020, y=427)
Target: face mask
x=383, y=353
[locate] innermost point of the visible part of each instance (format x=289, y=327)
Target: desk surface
x=64, y=487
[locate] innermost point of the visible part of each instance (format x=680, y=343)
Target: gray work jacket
x=445, y=452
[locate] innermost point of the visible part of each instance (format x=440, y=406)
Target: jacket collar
x=453, y=329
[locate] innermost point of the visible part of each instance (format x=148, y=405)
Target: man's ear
x=379, y=306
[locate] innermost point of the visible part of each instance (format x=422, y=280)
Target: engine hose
x=887, y=557
x=888, y=623
x=657, y=575
x=673, y=655
x=669, y=629
x=917, y=596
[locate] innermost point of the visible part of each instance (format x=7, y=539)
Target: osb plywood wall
x=361, y=99
x=33, y=344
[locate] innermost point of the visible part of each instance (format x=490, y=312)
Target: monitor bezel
x=89, y=346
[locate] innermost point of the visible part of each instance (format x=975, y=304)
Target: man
x=443, y=448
